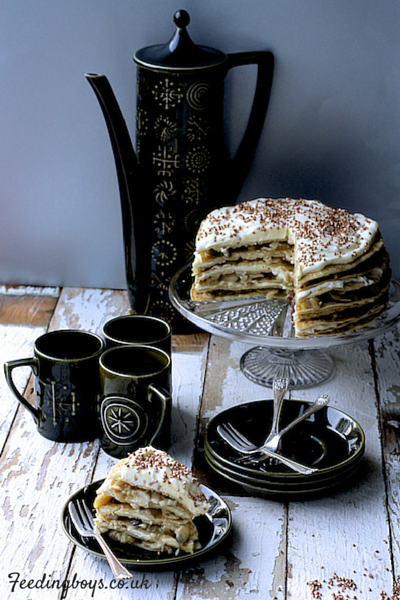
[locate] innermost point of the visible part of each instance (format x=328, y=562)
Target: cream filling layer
x=321, y=235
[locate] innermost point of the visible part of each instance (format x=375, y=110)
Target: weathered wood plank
x=26, y=310
x=15, y=342
x=254, y=562
x=23, y=317
x=29, y=290
x=189, y=356
x=387, y=358
x=88, y=309
x=345, y=533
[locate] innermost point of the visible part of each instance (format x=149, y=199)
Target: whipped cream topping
x=156, y=470
x=321, y=235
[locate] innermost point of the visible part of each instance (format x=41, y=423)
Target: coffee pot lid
x=180, y=52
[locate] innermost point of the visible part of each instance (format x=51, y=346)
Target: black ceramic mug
x=135, y=403
x=142, y=330
x=66, y=382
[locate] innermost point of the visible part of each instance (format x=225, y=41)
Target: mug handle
x=244, y=156
x=165, y=397
x=8, y=369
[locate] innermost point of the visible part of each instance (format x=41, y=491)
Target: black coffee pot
x=181, y=169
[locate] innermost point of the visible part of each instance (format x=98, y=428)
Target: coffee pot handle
x=8, y=369
x=247, y=148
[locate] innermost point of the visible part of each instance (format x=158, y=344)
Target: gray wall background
x=332, y=130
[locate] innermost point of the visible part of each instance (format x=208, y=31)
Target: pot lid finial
x=181, y=19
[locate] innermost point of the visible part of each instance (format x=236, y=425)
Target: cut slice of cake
x=331, y=264
x=150, y=500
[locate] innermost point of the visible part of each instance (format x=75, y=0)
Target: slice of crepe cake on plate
x=149, y=500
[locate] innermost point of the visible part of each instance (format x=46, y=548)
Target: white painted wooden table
x=343, y=546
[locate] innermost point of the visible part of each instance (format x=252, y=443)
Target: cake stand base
x=303, y=368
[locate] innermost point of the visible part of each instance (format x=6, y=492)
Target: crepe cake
x=150, y=500
x=330, y=265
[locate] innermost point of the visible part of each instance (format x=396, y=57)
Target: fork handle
x=313, y=408
x=280, y=386
x=118, y=569
x=299, y=467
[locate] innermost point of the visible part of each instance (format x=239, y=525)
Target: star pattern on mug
x=121, y=420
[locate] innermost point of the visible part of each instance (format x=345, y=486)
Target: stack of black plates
x=330, y=440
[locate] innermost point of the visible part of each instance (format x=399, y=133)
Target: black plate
x=282, y=484
x=329, y=440
x=213, y=528
x=288, y=490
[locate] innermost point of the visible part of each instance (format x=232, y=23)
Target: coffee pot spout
x=131, y=188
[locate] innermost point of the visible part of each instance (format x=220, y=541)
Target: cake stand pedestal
x=303, y=368
x=268, y=325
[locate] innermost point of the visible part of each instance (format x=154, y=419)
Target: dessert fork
x=83, y=520
x=241, y=444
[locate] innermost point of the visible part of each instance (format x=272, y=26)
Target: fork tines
x=85, y=512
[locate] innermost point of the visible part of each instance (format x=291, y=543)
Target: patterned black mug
x=135, y=403
x=66, y=381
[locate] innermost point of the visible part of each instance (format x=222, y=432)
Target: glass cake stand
x=267, y=323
